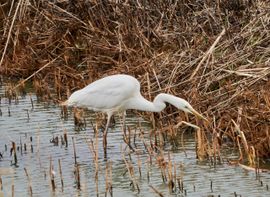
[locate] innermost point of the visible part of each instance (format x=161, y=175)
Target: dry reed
x=29, y=182
x=214, y=54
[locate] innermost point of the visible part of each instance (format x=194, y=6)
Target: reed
x=170, y=175
x=156, y=191
x=21, y=146
x=61, y=174
x=139, y=164
x=79, y=120
x=111, y=180
x=74, y=151
x=148, y=170
x=52, y=175
x=77, y=175
x=216, y=146
x=1, y=183
x=106, y=180
x=93, y=147
x=175, y=176
x=76, y=166
x=250, y=156
x=108, y=176
x=180, y=179
x=65, y=138
x=31, y=144
x=96, y=157
x=64, y=112
x=31, y=100
x=28, y=117
x=24, y=147
x=55, y=140
x=131, y=173
x=202, y=142
x=29, y=182
x=135, y=137
x=13, y=150
x=162, y=164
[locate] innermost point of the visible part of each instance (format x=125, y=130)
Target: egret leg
x=109, y=115
x=124, y=121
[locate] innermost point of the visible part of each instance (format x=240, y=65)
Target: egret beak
x=65, y=103
x=197, y=114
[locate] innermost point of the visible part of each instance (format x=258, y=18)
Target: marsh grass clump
x=214, y=54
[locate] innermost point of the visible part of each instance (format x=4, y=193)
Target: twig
x=210, y=50
x=9, y=33
x=156, y=191
x=32, y=75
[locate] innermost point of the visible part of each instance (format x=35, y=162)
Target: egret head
x=68, y=103
x=186, y=107
x=72, y=100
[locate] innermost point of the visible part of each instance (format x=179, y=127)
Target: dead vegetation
x=216, y=55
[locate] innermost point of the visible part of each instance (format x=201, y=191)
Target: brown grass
x=216, y=55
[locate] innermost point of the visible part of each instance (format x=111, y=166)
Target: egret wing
x=106, y=94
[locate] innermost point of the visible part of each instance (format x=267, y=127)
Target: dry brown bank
x=177, y=47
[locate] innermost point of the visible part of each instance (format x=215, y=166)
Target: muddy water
x=20, y=121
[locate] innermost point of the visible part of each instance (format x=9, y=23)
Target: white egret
x=118, y=93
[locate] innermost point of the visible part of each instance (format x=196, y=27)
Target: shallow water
x=45, y=121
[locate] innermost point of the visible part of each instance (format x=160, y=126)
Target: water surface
x=20, y=121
